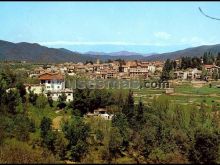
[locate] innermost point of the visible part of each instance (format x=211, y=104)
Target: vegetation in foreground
x=158, y=132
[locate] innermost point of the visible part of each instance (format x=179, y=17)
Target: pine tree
x=128, y=108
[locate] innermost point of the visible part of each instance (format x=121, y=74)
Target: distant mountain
x=120, y=53
x=126, y=55
x=37, y=53
x=191, y=52
x=96, y=53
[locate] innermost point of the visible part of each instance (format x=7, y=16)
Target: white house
x=55, y=94
x=54, y=86
x=52, y=81
x=101, y=113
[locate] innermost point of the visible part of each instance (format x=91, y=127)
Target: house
x=211, y=68
x=180, y=75
x=55, y=94
x=190, y=74
x=138, y=71
x=102, y=113
x=81, y=68
x=54, y=86
x=194, y=74
x=52, y=81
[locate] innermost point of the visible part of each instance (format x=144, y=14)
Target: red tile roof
x=208, y=66
x=51, y=76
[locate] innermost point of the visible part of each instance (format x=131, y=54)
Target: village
x=52, y=77
x=110, y=83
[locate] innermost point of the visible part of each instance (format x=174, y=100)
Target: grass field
x=183, y=94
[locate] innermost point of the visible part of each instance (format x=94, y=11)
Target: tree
x=22, y=127
x=60, y=146
x=174, y=65
x=32, y=97
x=61, y=101
x=168, y=66
x=62, y=97
x=128, y=108
x=80, y=101
x=115, y=142
x=140, y=115
x=217, y=62
x=50, y=101
x=149, y=137
x=208, y=58
x=120, y=122
x=45, y=126
x=196, y=63
x=88, y=100
x=12, y=101
x=77, y=132
x=49, y=140
x=47, y=134
x=206, y=147
x=41, y=101
x=22, y=91
x=120, y=101
x=79, y=150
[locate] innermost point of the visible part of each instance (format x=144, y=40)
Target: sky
x=142, y=27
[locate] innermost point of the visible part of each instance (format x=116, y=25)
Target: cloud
x=162, y=35
x=113, y=43
x=191, y=41
x=197, y=41
x=53, y=43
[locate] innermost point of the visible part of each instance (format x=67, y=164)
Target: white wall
x=35, y=89
x=54, y=84
x=55, y=96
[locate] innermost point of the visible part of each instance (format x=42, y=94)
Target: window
x=69, y=94
x=58, y=86
x=48, y=86
x=48, y=81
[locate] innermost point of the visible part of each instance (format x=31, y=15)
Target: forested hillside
x=160, y=131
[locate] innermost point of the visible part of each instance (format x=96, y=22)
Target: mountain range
x=116, y=55
x=34, y=52
x=191, y=52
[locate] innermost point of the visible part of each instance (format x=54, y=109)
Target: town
x=110, y=83
x=52, y=76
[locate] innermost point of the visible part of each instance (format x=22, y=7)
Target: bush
x=20, y=152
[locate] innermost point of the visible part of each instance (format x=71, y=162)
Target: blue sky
x=143, y=27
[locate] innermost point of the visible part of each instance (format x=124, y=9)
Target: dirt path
x=56, y=122
x=185, y=94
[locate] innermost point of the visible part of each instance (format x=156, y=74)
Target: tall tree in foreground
x=128, y=108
